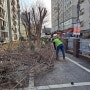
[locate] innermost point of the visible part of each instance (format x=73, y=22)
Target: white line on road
x=62, y=86
x=84, y=68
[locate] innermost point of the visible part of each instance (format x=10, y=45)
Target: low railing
x=77, y=47
x=84, y=46
x=70, y=43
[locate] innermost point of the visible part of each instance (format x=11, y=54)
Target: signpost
x=76, y=30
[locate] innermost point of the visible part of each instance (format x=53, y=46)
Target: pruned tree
x=26, y=20
x=32, y=20
x=39, y=15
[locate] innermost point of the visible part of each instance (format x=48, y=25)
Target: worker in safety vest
x=58, y=45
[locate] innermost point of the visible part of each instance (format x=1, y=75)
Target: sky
x=47, y=4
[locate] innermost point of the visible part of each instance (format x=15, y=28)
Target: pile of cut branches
x=15, y=67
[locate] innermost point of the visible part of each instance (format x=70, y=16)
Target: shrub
x=22, y=38
x=32, y=47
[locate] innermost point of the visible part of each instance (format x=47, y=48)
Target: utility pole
x=9, y=20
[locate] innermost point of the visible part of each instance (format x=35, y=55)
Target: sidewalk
x=72, y=74
x=64, y=73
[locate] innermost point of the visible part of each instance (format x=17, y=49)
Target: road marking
x=84, y=68
x=57, y=86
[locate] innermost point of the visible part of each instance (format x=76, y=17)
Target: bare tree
x=39, y=17
x=33, y=20
x=26, y=21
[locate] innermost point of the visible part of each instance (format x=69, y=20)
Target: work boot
x=57, y=58
x=63, y=58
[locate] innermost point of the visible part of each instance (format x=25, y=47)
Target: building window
x=13, y=2
x=81, y=1
x=81, y=12
x=70, y=2
x=15, y=30
x=81, y=23
x=15, y=37
x=1, y=2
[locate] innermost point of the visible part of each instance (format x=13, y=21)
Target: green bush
x=42, y=43
x=46, y=40
x=32, y=47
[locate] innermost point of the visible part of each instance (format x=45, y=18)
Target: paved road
x=72, y=70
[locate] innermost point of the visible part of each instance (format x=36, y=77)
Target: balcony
x=14, y=23
x=13, y=9
x=13, y=2
x=2, y=13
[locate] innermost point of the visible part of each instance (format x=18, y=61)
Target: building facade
x=9, y=20
x=84, y=17
x=3, y=31
x=14, y=7
x=64, y=14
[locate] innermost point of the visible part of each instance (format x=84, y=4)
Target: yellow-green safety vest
x=57, y=42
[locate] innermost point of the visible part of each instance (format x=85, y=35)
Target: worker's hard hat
x=55, y=35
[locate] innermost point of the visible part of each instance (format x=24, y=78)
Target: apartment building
x=14, y=7
x=3, y=31
x=5, y=21
x=84, y=17
x=64, y=14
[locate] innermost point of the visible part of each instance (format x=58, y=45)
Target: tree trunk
x=29, y=39
x=38, y=40
x=38, y=35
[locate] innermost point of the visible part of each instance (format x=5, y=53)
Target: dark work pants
x=60, y=47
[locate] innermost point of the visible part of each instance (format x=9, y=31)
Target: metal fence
x=70, y=43
x=85, y=46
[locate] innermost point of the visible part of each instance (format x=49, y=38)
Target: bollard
x=65, y=41
x=76, y=45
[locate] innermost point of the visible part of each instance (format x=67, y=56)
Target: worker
x=58, y=45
